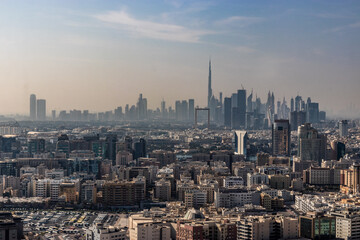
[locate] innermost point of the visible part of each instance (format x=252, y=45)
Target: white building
x=347, y=224
x=54, y=189
x=230, y=198
x=99, y=232
x=240, y=142
x=54, y=174
x=254, y=179
x=308, y=203
x=40, y=187
x=233, y=181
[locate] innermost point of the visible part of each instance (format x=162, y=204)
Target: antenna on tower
x=242, y=87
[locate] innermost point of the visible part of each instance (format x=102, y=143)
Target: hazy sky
x=97, y=54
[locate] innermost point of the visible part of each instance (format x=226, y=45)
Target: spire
x=209, y=84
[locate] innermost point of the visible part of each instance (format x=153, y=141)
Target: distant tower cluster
x=37, y=108
x=214, y=104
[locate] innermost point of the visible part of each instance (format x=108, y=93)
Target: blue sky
x=98, y=55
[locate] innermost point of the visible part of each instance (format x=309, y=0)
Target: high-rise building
x=322, y=116
x=123, y=158
x=337, y=150
x=53, y=115
x=281, y=137
x=343, y=128
x=235, y=118
x=241, y=104
x=191, y=110
x=140, y=149
x=210, y=94
x=41, y=109
x=32, y=107
x=312, y=112
x=298, y=103
x=234, y=100
x=163, y=190
x=240, y=142
x=178, y=110
x=347, y=223
x=311, y=144
x=124, y=193
x=36, y=146
x=356, y=184
x=111, y=140
x=163, y=109
x=317, y=226
x=297, y=119
x=184, y=110
x=227, y=112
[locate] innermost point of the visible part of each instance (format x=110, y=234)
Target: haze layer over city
x=179, y=120
x=100, y=55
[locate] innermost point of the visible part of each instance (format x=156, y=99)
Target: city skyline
x=88, y=56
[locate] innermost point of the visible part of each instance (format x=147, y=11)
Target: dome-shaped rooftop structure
x=193, y=214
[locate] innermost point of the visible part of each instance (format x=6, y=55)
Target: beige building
x=142, y=228
x=162, y=190
x=289, y=227
x=123, y=158
x=279, y=181
x=195, y=198
x=266, y=228
x=322, y=176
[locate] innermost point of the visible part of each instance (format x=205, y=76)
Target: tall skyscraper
x=53, y=115
x=281, y=137
x=249, y=107
x=312, y=112
x=142, y=107
x=297, y=119
x=163, y=110
x=140, y=149
x=184, y=110
x=191, y=110
x=209, y=85
x=241, y=104
x=311, y=144
x=298, y=103
x=235, y=118
x=240, y=142
x=227, y=112
x=178, y=110
x=41, y=109
x=32, y=107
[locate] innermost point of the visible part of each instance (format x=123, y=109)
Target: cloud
x=241, y=21
x=331, y=16
x=345, y=27
x=244, y=49
x=151, y=29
